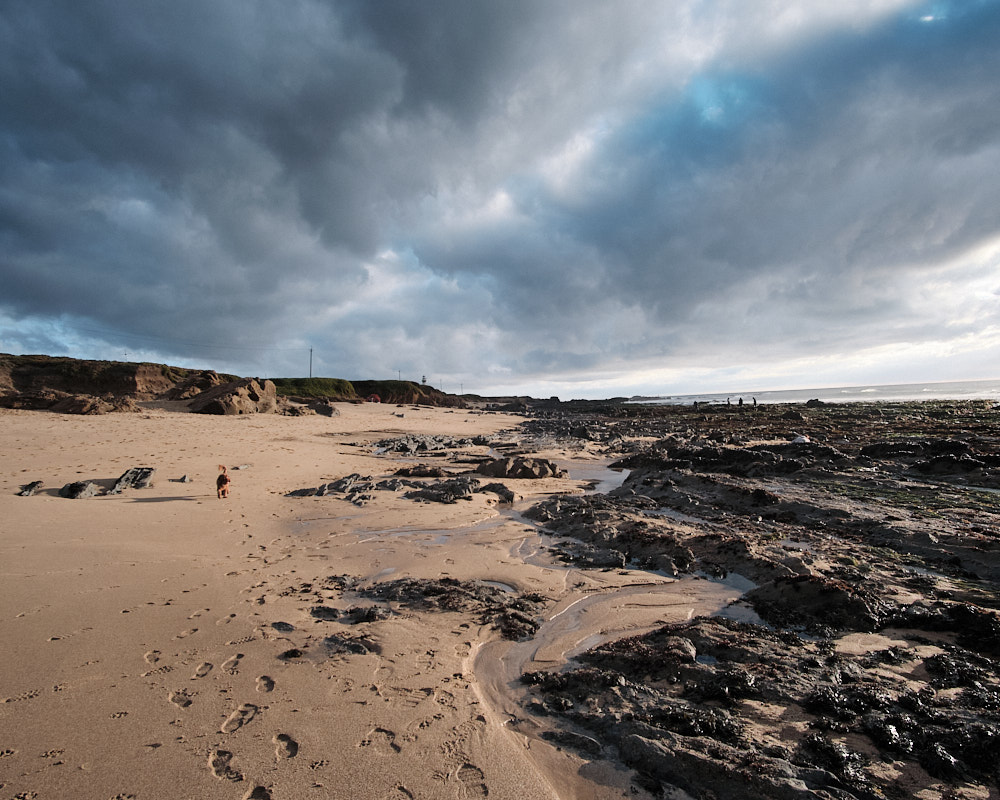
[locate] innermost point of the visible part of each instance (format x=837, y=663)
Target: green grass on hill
x=315, y=387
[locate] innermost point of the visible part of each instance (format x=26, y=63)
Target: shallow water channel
x=598, y=606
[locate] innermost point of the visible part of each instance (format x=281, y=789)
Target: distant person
x=223, y=482
x=740, y=403
x=755, y=402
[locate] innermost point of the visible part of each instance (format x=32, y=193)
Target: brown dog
x=222, y=482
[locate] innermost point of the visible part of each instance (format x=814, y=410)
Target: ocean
x=951, y=390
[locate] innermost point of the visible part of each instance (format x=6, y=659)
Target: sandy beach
x=144, y=636
x=790, y=602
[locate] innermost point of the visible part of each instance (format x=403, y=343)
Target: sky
x=548, y=197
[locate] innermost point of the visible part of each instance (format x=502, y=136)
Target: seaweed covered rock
x=811, y=600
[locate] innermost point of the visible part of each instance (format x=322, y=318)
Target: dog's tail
x=222, y=468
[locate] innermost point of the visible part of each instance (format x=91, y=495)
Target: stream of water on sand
x=608, y=605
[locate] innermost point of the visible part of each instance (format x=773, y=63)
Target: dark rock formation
x=29, y=488
x=501, y=491
x=513, y=615
x=324, y=408
x=417, y=443
x=450, y=491
x=520, y=467
x=811, y=600
x=422, y=471
x=80, y=489
x=133, y=478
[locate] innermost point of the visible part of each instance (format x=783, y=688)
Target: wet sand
x=165, y=643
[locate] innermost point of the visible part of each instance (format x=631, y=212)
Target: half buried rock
x=133, y=478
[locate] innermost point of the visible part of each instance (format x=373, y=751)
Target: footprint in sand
x=257, y=793
x=197, y=614
x=221, y=764
x=31, y=694
x=399, y=793
x=181, y=699
x=225, y=620
x=382, y=741
x=287, y=747
x=203, y=669
x=240, y=717
x=471, y=778
x=185, y=634
x=265, y=683
x=152, y=656
x=231, y=664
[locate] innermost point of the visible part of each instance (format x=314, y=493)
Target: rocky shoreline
x=870, y=535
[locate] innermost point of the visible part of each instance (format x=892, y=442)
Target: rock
x=29, y=488
x=520, y=467
x=421, y=471
x=297, y=411
x=416, y=443
x=949, y=465
x=133, y=478
x=810, y=600
x=682, y=761
x=309, y=492
x=450, y=491
x=80, y=489
x=358, y=614
x=324, y=408
x=245, y=396
x=505, y=494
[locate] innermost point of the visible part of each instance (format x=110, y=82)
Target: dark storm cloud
x=813, y=172
x=513, y=188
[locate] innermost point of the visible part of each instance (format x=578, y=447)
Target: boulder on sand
x=80, y=489
x=245, y=396
x=133, y=478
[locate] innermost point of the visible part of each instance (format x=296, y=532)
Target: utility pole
x=310, y=362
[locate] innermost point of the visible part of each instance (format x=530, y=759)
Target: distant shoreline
x=865, y=393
